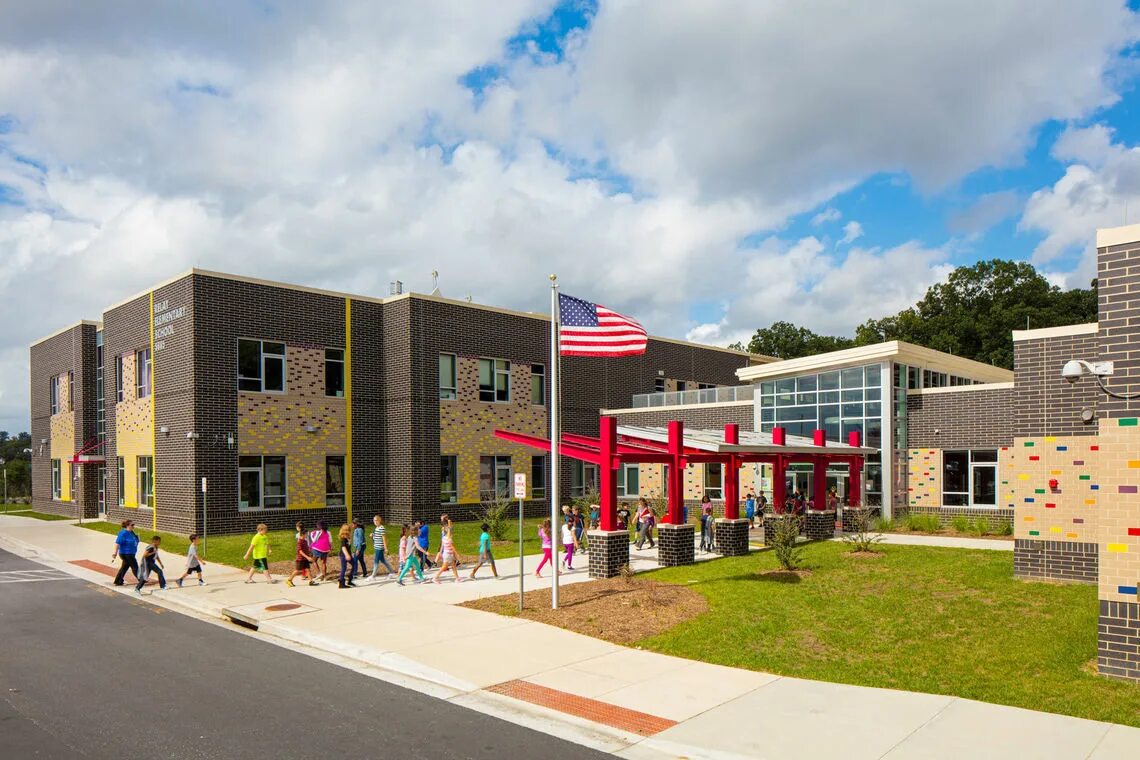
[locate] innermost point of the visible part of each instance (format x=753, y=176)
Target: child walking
x=345, y=556
x=193, y=563
x=547, y=546
x=409, y=554
x=380, y=549
x=153, y=564
x=358, y=547
x=569, y=542
x=447, y=557
x=304, y=560
x=484, y=552
x=320, y=544
x=259, y=548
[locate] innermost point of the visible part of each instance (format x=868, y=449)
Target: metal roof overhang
x=712, y=442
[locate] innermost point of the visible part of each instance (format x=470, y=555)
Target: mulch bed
x=615, y=609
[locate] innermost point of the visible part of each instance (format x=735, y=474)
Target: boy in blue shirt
x=485, y=552
x=750, y=510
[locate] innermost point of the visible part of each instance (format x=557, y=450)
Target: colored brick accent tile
x=1062, y=448
x=1119, y=548
x=1078, y=462
x=1035, y=533
x=1050, y=506
x=1134, y=463
x=1034, y=459
x=1134, y=531
x=1028, y=444
x=621, y=718
x=1126, y=489
x=1084, y=477
x=1126, y=589
x=1079, y=520
x=1127, y=422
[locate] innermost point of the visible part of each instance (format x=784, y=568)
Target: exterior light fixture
x=192, y=436
x=164, y=430
x=311, y=428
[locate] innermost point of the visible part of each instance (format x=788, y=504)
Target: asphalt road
x=85, y=673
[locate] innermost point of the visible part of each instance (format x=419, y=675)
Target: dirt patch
x=785, y=575
x=1091, y=667
x=616, y=610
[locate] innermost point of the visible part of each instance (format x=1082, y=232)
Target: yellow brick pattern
x=467, y=425
x=1119, y=510
x=134, y=438
x=1069, y=512
x=924, y=477
x=62, y=427
x=276, y=424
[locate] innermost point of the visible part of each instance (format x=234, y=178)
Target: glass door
x=102, y=493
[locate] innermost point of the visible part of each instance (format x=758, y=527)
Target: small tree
x=495, y=510
x=861, y=537
x=785, y=533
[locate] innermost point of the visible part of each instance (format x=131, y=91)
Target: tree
x=17, y=462
x=785, y=340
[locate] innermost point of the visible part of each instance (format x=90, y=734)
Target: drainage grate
x=282, y=607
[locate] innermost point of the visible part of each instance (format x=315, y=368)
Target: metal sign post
x=203, y=517
x=520, y=494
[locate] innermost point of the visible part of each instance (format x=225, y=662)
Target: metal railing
x=686, y=398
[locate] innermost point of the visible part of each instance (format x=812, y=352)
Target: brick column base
x=851, y=516
x=819, y=525
x=1056, y=560
x=1118, y=640
x=675, y=545
x=609, y=552
x=731, y=536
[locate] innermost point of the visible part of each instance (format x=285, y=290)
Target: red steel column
x=732, y=475
x=676, y=471
x=779, y=487
x=607, y=475
x=855, y=482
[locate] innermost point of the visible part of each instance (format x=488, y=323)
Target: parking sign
x=520, y=485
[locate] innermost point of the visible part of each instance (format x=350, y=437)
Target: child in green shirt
x=259, y=548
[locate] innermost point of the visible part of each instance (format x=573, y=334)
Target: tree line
x=972, y=314
x=15, y=451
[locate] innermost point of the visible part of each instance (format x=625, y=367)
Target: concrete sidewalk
x=632, y=703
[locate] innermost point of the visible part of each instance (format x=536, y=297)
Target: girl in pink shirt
x=547, y=545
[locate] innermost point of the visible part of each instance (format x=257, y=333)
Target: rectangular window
x=714, y=480
x=334, y=372
x=969, y=478
x=70, y=391
x=261, y=366
x=447, y=386
x=146, y=482
x=628, y=477
x=584, y=479
x=659, y=385
x=538, y=477
x=56, y=479
x=495, y=477
x=334, y=481
x=119, y=379
x=261, y=482
x=121, y=480
x=142, y=373
x=494, y=380
x=100, y=402
x=538, y=384
x=448, y=479
x=54, y=385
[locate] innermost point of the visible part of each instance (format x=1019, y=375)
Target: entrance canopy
x=673, y=445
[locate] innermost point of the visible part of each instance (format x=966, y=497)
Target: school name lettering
x=164, y=319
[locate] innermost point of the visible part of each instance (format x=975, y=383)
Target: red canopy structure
x=674, y=446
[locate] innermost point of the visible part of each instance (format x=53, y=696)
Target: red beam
x=542, y=444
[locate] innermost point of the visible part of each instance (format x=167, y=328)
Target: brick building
x=300, y=404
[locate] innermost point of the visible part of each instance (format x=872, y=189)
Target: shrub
x=961, y=524
x=981, y=527
x=785, y=534
x=885, y=524
x=921, y=523
x=862, y=538
x=1005, y=528
x=495, y=510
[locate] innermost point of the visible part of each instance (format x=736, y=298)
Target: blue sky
x=708, y=167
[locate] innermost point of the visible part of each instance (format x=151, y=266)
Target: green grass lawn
x=37, y=515
x=943, y=621
x=228, y=549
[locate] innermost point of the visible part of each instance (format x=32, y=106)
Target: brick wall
x=1047, y=404
x=962, y=418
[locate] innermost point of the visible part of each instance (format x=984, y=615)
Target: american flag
x=589, y=329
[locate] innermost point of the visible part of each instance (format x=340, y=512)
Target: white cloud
x=302, y=142
x=852, y=231
x=829, y=214
x=986, y=211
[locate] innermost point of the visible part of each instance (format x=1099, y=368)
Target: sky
x=707, y=167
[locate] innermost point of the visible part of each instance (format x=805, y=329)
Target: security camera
x=1072, y=371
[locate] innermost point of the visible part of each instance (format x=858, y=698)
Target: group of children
x=126, y=549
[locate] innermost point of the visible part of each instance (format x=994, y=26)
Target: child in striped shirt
x=379, y=549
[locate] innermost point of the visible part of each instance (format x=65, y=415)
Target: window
x=538, y=384
x=583, y=478
x=334, y=481
x=70, y=391
x=54, y=382
x=121, y=480
x=119, y=379
x=494, y=380
x=538, y=477
x=628, y=476
x=145, y=469
x=495, y=476
x=261, y=366
x=334, y=372
x=447, y=385
x=100, y=404
x=969, y=478
x=448, y=479
x=659, y=385
x=261, y=482
x=714, y=480
x=56, y=479
x=142, y=373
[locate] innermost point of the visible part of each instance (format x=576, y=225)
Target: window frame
x=499, y=463
x=448, y=392
x=716, y=493
x=53, y=391
x=538, y=372
x=144, y=374
x=263, y=359
x=121, y=480
x=100, y=402
x=330, y=363
x=144, y=497
x=622, y=478
x=450, y=496
x=70, y=391
x=967, y=496
x=589, y=478
x=538, y=477
x=119, y=379
x=500, y=368
x=332, y=496
x=56, y=480
x=262, y=496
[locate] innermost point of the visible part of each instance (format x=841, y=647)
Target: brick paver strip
x=622, y=718
x=87, y=564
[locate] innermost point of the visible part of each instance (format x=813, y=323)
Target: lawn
x=37, y=515
x=943, y=621
x=228, y=549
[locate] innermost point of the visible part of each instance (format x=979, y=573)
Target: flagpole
x=555, y=439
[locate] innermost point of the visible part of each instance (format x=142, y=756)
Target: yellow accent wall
x=134, y=437
x=467, y=425
x=274, y=424
x=62, y=427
